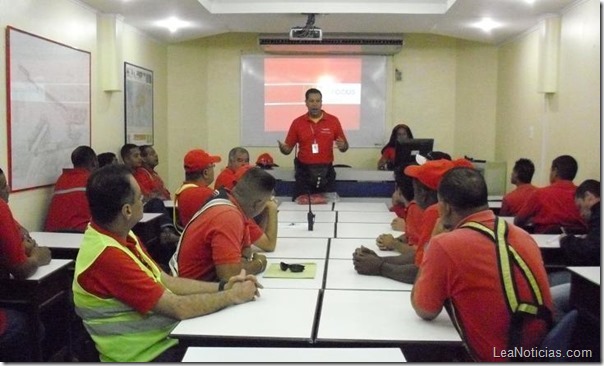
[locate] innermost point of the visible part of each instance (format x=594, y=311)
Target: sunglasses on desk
x=294, y=267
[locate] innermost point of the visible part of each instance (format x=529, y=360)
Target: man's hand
x=241, y=292
x=284, y=148
x=243, y=277
x=41, y=255
x=398, y=224
x=366, y=263
x=341, y=144
x=363, y=250
x=385, y=242
x=261, y=258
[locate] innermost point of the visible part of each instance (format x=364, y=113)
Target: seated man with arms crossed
x=68, y=209
x=128, y=304
x=214, y=243
x=463, y=271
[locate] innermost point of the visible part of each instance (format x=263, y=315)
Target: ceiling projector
x=305, y=34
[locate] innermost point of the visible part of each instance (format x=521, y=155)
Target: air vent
x=344, y=44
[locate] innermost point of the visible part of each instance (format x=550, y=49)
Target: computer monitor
x=407, y=150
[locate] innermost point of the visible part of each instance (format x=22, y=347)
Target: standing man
x=238, y=157
x=484, y=271
x=551, y=208
x=128, y=304
x=521, y=177
x=215, y=244
x=314, y=132
x=150, y=182
x=68, y=209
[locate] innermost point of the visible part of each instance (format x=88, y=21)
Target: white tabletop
x=359, y=230
x=386, y=200
x=366, y=217
x=508, y=219
x=54, y=265
x=169, y=203
x=379, y=316
x=278, y=313
x=293, y=206
x=57, y=240
x=300, y=216
x=307, y=248
x=494, y=204
x=590, y=273
x=350, y=174
x=547, y=240
x=300, y=230
x=294, y=283
x=148, y=216
x=341, y=248
x=341, y=275
x=495, y=198
x=292, y=355
x=361, y=206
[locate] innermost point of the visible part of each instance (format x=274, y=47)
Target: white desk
x=300, y=230
x=304, y=248
x=315, y=283
x=341, y=275
x=495, y=205
x=300, y=216
x=148, y=216
x=508, y=219
x=591, y=274
x=52, y=267
x=361, y=206
x=369, y=231
x=348, y=174
x=547, y=240
x=343, y=248
x=293, y=206
x=57, y=240
x=386, y=200
x=379, y=316
x=169, y=204
x=366, y=217
x=495, y=198
x=283, y=314
x=292, y=355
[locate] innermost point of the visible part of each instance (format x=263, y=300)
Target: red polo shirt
x=226, y=178
x=68, y=209
x=413, y=223
x=553, y=206
x=428, y=221
x=190, y=201
x=304, y=132
x=513, y=201
x=150, y=182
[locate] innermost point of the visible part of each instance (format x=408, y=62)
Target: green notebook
x=274, y=271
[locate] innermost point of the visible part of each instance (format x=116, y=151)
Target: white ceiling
x=210, y=17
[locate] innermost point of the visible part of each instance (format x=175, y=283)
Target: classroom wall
x=73, y=24
x=204, y=98
x=543, y=126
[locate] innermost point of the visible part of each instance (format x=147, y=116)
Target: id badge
x=315, y=148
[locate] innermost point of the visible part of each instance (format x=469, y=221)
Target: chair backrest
x=560, y=336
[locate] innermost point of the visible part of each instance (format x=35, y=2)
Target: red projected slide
x=287, y=79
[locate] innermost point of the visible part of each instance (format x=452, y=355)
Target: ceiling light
x=173, y=24
x=487, y=24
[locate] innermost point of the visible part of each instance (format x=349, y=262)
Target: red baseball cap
x=430, y=173
x=265, y=160
x=196, y=160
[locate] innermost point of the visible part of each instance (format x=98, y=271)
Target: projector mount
x=307, y=33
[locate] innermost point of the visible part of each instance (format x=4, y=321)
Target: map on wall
x=139, y=104
x=48, y=89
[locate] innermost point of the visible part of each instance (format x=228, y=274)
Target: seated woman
x=400, y=133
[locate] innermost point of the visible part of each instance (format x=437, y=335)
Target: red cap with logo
x=432, y=171
x=196, y=160
x=265, y=160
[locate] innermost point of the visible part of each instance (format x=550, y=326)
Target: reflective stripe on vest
x=183, y=188
x=69, y=190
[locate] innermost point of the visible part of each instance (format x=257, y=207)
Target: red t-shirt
x=12, y=252
x=190, y=201
x=255, y=230
x=115, y=275
x=553, y=206
x=429, y=219
x=304, y=132
x=150, y=182
x=413, y=223
x=389, y=154
x=513, y=201
x=226, y=178
x=215, y=237
x=400, y=210
x=68, y=209
x=462, y=266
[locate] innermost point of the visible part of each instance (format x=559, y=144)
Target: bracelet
x=221, y=285
x=261, y=265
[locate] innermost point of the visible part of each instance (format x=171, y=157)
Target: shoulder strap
x=505, y=255
x=217, y=200
x=182, y=188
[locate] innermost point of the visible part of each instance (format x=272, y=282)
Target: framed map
x=138, y=86
x=48, y=105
